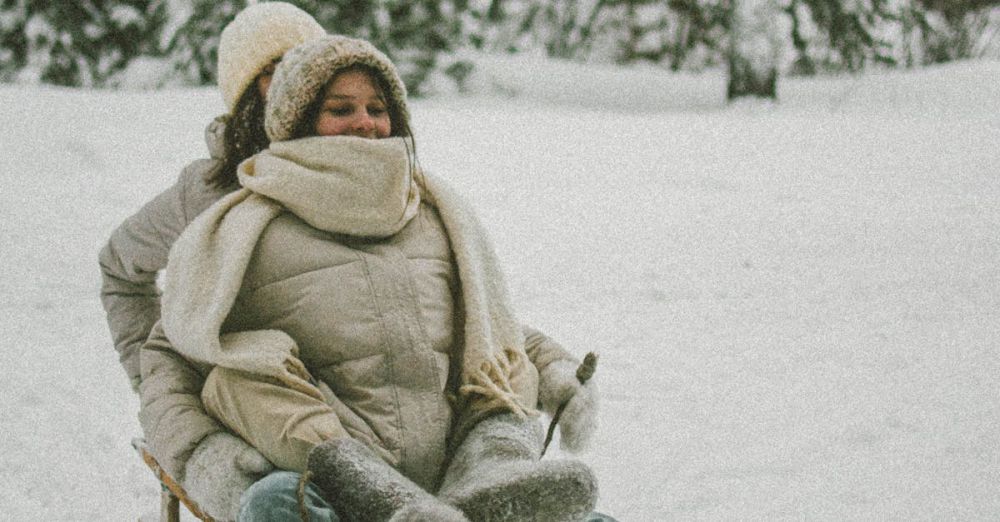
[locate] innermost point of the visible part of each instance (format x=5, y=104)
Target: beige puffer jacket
x=171, y=413
x=373, y=319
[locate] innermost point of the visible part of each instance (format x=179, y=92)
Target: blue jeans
x=274, y=498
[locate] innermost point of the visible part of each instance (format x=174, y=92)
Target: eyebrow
x=348, y=97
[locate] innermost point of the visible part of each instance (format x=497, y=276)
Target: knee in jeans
x=276, y=491
x=274, y=498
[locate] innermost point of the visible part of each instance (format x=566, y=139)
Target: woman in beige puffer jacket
x=172, y=415
x=330, y=312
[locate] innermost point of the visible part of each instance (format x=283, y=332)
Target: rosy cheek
x=327, y=127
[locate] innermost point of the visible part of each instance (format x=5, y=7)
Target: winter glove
x=558, y=385
x=219, y=470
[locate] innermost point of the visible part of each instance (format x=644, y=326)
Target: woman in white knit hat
x=214, y=466
x=353, y=322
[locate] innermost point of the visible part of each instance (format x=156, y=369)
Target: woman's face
x=353, y=106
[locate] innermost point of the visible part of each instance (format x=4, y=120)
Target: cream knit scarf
x=344, y=185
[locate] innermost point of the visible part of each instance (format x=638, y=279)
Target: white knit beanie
x=308, y=68
x=259, y=34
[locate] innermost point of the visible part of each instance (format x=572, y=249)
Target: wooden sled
x=171, y=494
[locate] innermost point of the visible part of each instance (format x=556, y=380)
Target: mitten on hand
x=558, y=385
x=219, y=470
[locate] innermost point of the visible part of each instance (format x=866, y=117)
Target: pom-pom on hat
x=259, y=34
x=308, y=68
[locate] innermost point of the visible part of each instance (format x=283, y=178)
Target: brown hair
x=244, y=136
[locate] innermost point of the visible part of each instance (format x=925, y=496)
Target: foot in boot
x=428, y=511
x=554, y=491
x=496, y=475
x=362, y=487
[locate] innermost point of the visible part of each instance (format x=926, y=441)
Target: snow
x=125, y=15
x=796, y=305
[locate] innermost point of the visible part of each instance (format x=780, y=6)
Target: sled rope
x=301, y=494
x=583, y=374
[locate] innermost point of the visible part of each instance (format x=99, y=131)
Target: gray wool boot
x=496, y=475
x=362, y=487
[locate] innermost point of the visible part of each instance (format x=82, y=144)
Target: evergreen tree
x=493, y=25
x=699, y=31
x=754, y=48
x=562, y=28
x=644, y=34
x=193, y=48
x=76, y=43
x=86, y=42
x=13, y=42
x=414, y=34
x=480, y=23
x=952, y=29
x=848, y=34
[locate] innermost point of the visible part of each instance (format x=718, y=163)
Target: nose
x=364, y=123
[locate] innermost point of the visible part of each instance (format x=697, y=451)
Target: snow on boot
x=496, y=476
x=362, y=487
x=432, y=510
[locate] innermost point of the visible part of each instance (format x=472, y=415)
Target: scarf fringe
x=491, y=381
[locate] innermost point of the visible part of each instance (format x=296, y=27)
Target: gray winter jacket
x=138, y=248
x=171, y=412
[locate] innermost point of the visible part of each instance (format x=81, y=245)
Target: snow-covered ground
x=796, y=305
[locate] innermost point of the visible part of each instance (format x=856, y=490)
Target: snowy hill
x=796, y=304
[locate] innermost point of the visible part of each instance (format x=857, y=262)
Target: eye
x=339, y=111
x=377, y=110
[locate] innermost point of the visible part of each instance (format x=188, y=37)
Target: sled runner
x=171, y=494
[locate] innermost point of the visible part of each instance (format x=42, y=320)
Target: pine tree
x=692, y=34
x=77, y=43
x=562, y=28
x=493, y=25
x=754, y=48
x=13, y=42
x=848, y=34
x=951, y=29
x=193, y=47
x=414, y=34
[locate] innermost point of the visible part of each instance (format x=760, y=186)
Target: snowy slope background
x=796, y=305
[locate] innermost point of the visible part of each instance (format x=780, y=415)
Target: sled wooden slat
x=172, y=494
x=169, y=506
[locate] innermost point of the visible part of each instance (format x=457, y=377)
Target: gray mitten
x=557, y=385
x=219, y=470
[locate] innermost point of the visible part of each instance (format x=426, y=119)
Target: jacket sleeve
x=543, y=351
x=171, y=413
x=130, y=261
